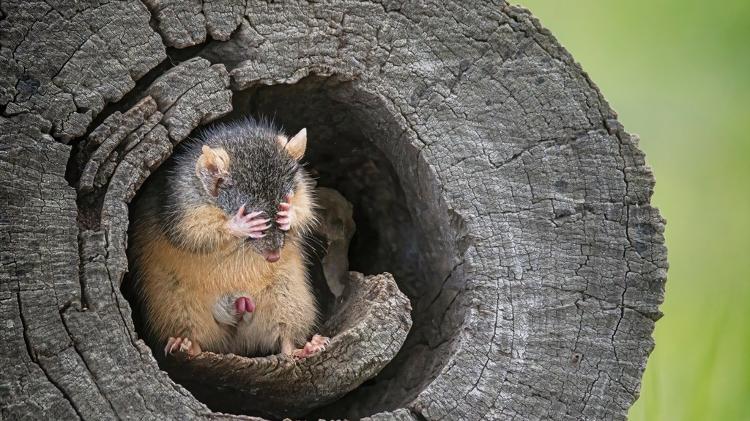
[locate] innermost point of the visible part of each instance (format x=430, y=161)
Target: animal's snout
x=272, y=255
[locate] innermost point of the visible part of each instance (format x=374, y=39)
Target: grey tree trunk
x=485, y=170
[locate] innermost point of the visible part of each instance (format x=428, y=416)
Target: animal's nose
x=272, y=255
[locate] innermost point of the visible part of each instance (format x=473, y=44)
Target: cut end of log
x=486, y=172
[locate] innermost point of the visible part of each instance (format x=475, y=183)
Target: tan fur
x=296, y=145
x=211, y=167
x=213, y=159
x=181, y=287
x=304, y=208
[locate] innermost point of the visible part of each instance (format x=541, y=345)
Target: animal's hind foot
x=315, y=346
x=182, y=348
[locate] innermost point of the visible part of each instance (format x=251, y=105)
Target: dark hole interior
x=356, y=147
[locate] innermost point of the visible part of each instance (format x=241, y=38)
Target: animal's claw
x=181, y=348
x=257, y=222
x=315, y=346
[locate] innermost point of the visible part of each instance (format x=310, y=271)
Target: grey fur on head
x=262, y=172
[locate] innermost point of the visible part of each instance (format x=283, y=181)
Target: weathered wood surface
x=541, y=263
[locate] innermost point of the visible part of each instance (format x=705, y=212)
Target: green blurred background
x=678, y=74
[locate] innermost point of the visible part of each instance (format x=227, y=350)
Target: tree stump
x=485, y=170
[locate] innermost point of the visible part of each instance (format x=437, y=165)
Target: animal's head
x=246, y=168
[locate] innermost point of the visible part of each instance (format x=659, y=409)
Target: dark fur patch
x=262, y=173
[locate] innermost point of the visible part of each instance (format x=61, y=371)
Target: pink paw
x=316, y=345
x=248, y=225
x=285, y=215
x=182, y=348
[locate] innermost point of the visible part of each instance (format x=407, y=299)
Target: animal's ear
x=212, y=168
x=296, y=145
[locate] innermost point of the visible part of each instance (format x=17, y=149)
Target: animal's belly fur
x=188, y=285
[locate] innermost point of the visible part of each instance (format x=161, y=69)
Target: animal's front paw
x=251, y=225
x=285, y=215
x=182, y=348
x=316, y=345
